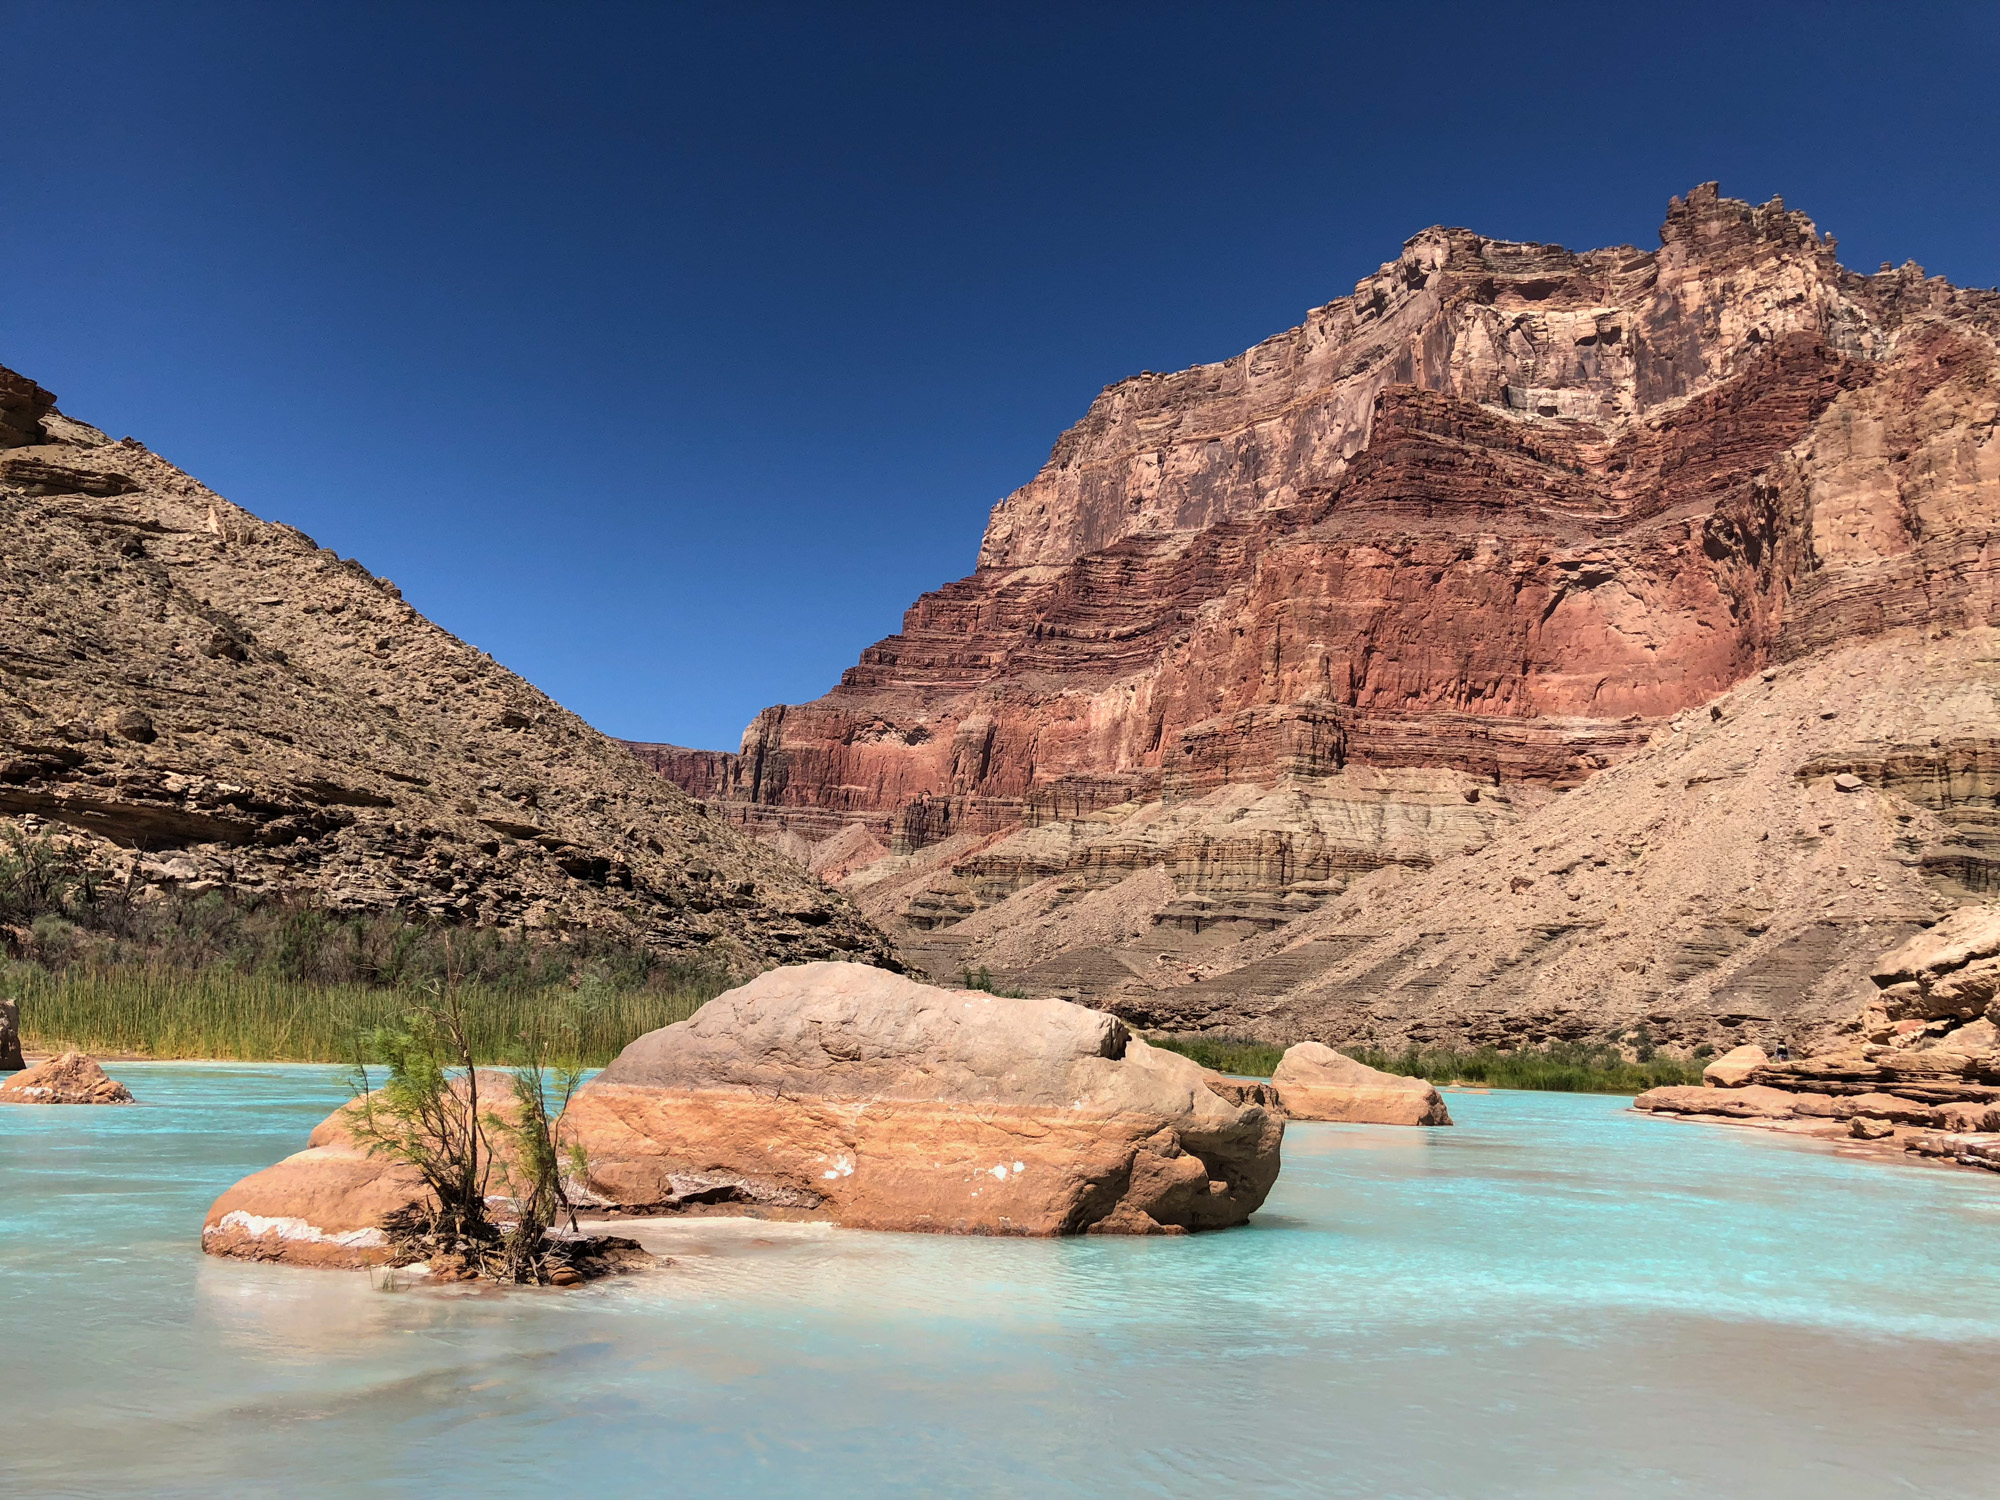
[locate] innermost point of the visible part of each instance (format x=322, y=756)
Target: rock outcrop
x=331, y=1204
x=841, y=1092
x=1314, y=1082
x=71, y=1078
x=11, y=1060
x=1733, y=1069
x=1925, y=1078
x=1286, y=640
x=218, y=703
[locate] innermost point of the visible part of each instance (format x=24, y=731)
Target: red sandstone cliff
x=1376, y=589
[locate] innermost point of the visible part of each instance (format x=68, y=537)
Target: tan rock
x=1733, y=1069
x=1314, y=1082
x=326, y=1205
x=846, y=1093
x=1868, y=1128
x=1950, y=972
x=1969, y=1119
x=1256, y=1091
x=1752, y=1102
x=69, y=1079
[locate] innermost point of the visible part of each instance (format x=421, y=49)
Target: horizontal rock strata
x=1927, y=1080
x=1305, y=629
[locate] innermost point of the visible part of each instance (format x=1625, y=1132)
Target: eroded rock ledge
x=1926, y=1080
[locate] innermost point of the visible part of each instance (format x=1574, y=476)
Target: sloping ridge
x=217, y=702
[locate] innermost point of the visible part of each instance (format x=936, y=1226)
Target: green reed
x=1225, y=1054
x=221, y=1013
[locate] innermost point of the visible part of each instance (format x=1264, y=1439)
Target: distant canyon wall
x=1456, y=543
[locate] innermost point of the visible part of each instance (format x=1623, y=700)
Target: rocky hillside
x=215, y=702
x=1272, y=639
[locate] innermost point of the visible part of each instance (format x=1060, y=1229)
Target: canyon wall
x=1385, y=587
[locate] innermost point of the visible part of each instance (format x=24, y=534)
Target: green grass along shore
x=222, y=1014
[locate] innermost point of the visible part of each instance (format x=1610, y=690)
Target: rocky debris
x=1713, y=889
x=11, y=1060
x=1932, y=1089
x=71, y=1078
x=1949, y=974
x=1301, y=631
x=215, y=702
x=1734, y=1067
x=841, y=1092
x=1314, y=1082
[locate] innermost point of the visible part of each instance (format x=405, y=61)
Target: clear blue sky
x=668, y=353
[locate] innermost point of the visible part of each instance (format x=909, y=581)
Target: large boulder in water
x=69, y=1079
x=843, y=1092
x=1314, y=1082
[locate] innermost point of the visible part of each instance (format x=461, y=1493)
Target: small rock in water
x=69, y=1079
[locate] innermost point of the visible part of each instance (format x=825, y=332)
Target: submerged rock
x=69, y=1079
x=841, y=1092
x=1314, y=1082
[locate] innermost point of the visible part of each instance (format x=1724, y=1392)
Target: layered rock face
x=216, y=702
x=1300, y=629
x=1732, y=883
x=838, y=1091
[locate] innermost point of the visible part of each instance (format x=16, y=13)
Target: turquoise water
x=1555, y=1298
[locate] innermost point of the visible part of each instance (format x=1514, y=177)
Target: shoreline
x=1892, y=1150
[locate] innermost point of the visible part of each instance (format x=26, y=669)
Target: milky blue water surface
x=1554, y=1298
